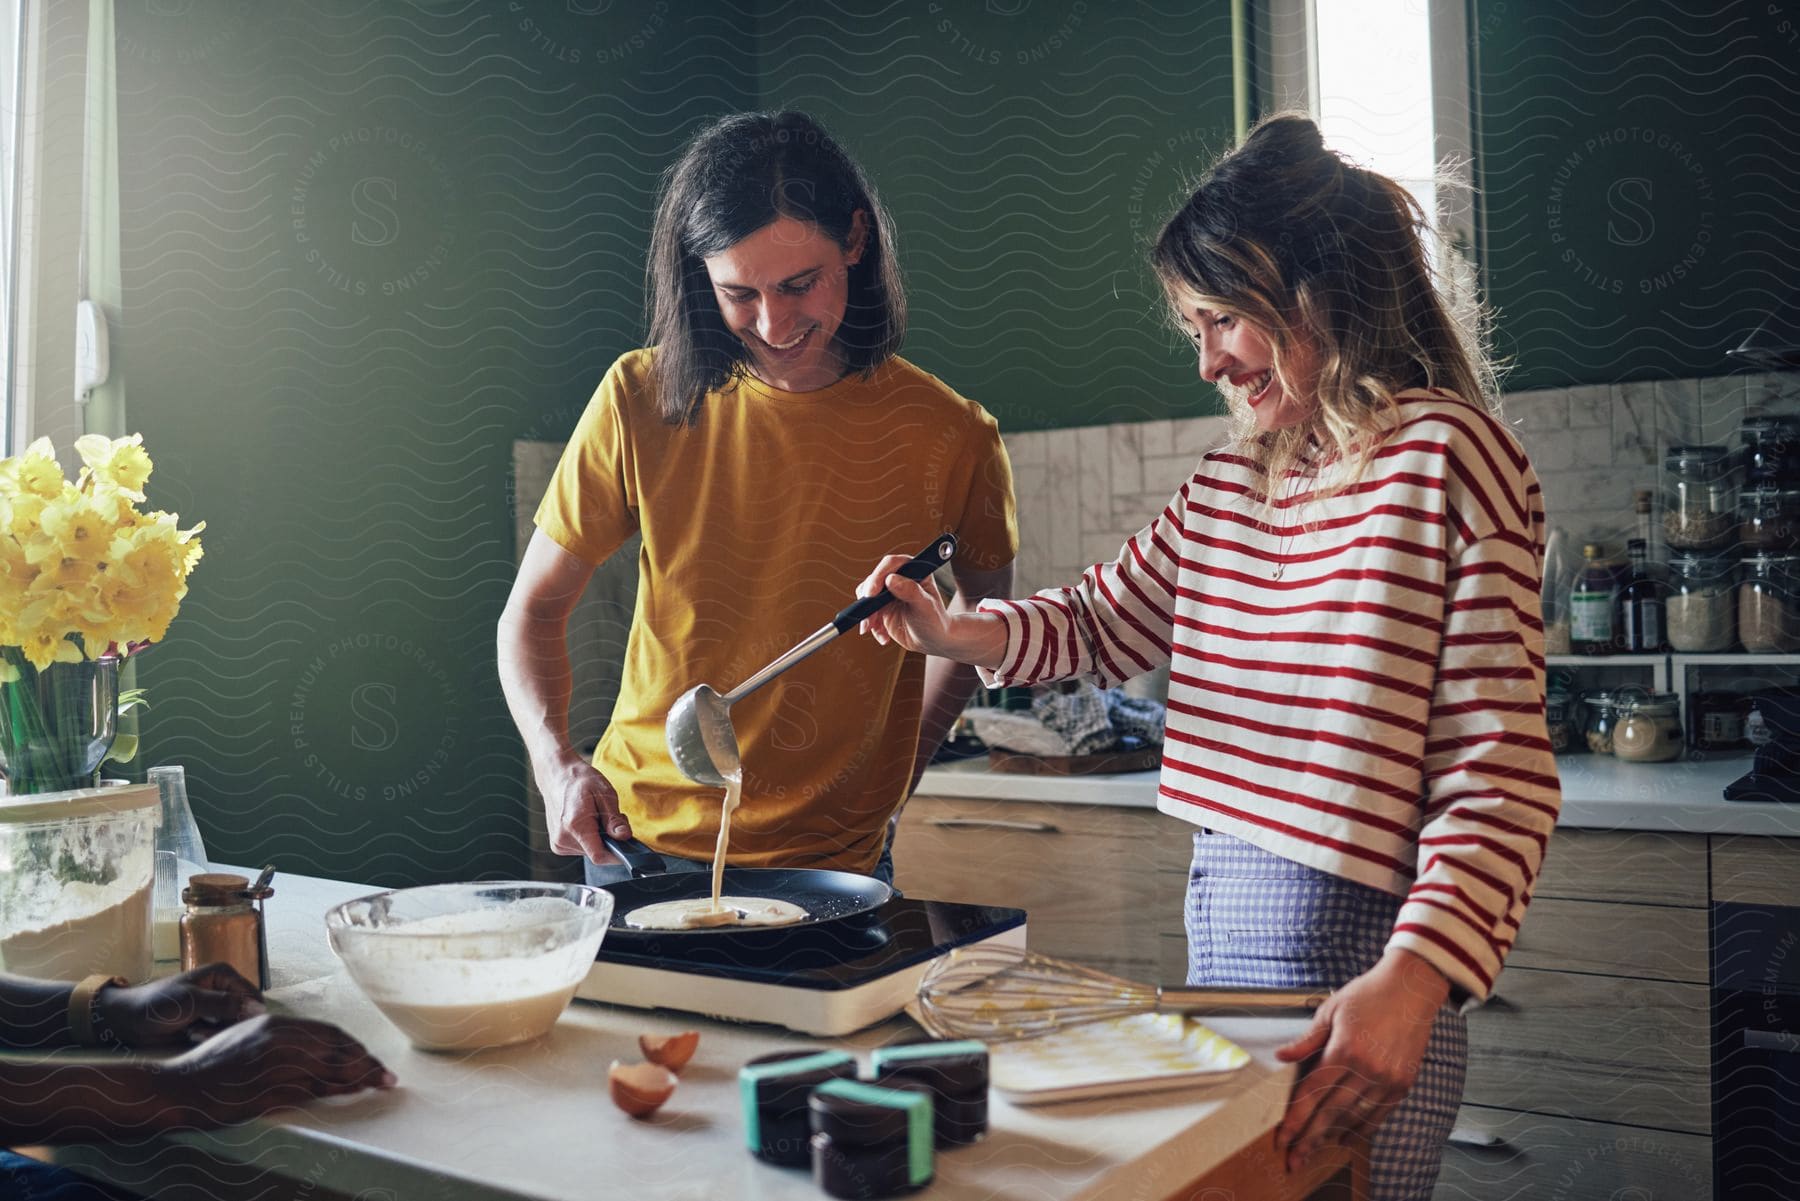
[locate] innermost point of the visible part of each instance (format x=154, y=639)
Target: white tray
x=1140, y=1054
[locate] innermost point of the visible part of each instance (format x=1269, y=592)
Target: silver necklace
x=1287, y=538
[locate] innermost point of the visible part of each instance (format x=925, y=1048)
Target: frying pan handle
x=635, y=855
x=918, y=567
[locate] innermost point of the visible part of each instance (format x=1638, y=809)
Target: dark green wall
x=1639, y=174
x=366, y=246
x=1028, y=149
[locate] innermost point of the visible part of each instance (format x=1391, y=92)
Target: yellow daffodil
x=23, y=511
x=119, y=462
x=80, y=565
x=76, y=528
x=44, y=648
x=36, y=473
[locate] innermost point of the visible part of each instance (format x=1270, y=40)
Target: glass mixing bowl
x=459, y=967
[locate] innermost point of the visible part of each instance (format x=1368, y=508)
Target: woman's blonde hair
x=1328, y=261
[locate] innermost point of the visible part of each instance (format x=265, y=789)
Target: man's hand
x=577, y=798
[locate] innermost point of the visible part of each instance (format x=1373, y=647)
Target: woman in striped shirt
x=1347, y=596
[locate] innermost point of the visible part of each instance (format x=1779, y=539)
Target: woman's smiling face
x=1241, y=359
x=783, y=290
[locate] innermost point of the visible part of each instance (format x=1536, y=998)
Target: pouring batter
x=698, y=912
x=716, y=910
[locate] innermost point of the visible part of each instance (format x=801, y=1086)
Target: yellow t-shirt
x=758, y=523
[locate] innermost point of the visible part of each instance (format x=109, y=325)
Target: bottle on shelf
x=1641, y=626
x=1643, y=500
x=1593, y=606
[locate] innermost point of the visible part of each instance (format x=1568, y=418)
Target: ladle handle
x=919, y=567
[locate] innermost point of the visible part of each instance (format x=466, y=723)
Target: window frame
x=14, y=414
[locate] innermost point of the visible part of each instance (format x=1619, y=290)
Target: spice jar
x=1702, y=605
x=1769, y=604
x=1717, y=720
x=221, y=924
x=1700, y=512
x=1771, y=449
x=1602, y=715
x=1648, y=729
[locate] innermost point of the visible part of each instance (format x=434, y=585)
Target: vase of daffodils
x=86, y=578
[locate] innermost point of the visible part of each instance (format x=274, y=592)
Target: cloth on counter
x=1079, y=720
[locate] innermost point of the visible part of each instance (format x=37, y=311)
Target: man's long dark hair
x=736, y=176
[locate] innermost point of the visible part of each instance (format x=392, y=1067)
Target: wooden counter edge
x=1256, y=1173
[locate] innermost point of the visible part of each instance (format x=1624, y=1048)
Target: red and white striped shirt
x=1359, y=686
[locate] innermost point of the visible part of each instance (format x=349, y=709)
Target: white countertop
x=535, y=1121
x=1599, y=793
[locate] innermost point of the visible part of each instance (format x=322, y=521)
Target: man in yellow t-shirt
x=770, y=449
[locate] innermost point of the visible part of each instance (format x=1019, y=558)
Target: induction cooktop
x=823, y=978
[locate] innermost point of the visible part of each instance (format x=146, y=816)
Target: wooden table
x=534, y=1121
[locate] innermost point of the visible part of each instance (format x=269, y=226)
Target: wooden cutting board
x=1140, y=758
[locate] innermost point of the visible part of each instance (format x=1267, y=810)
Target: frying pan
x=827, y=896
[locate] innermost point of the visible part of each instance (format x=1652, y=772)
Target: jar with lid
x=1602, y=716
x=1700, y=511
x=1771, y=449
x=1769, y=518
x=1769, y=604
x=1648, y=729
x=222, y=925
x=1702, y=604
x=1717, y=719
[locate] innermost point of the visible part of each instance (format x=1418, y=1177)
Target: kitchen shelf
x=1744, y=659
x=1658, y=665
x=1669, y=671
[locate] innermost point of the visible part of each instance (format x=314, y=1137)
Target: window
x=1374, y=97
x=1388, y=83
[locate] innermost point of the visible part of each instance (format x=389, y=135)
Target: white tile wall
x=1082, y=492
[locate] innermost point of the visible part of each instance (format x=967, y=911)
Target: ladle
x=701, y=740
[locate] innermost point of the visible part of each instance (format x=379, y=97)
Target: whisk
x=1001, y=993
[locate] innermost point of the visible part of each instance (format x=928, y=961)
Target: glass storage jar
x=1716, y=718
x=1701, y=609
x=1769, y=604
x=1700, y=511
x=1769, y=519
x=1602, y=715
x=1771, y=449
x=1648, y=729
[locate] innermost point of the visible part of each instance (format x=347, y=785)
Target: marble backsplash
x=1082, y=492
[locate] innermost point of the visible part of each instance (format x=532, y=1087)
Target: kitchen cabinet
x=1590, y=1069
x=1102, y=885
x=1590, y=1072
x=1590, y=1075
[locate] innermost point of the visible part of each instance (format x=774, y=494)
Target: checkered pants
x=1256, y=919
